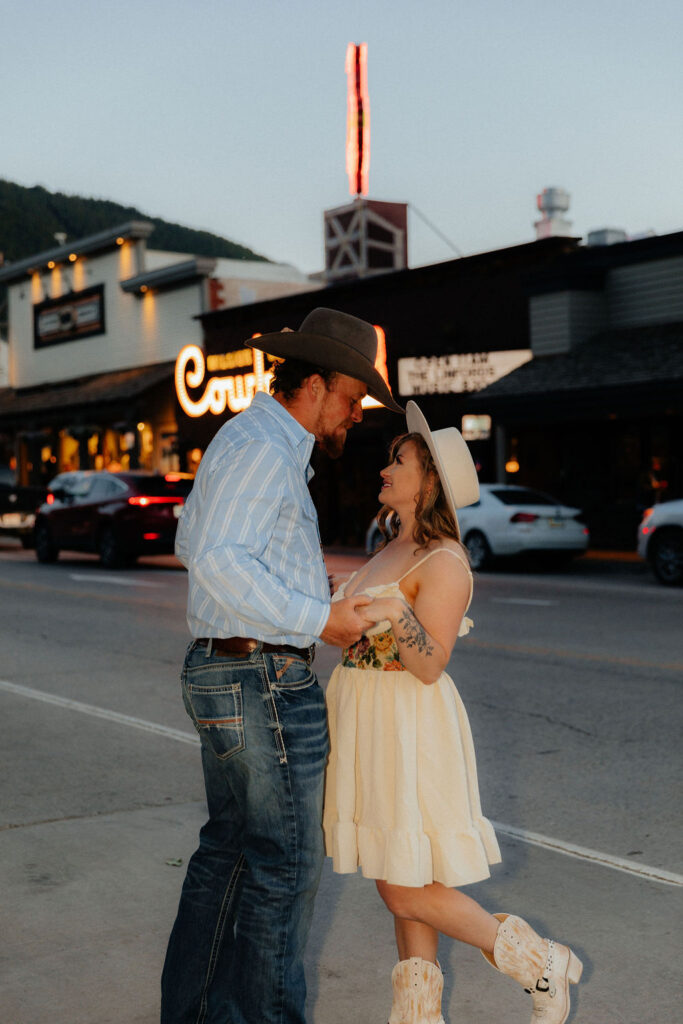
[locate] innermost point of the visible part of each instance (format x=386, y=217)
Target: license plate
x=16, y=519
x=177, y=509
x=556, y=522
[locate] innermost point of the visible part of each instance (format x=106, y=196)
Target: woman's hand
x=382, y=608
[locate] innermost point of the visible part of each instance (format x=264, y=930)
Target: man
x=258, y=601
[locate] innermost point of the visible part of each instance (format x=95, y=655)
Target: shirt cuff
x=313, y=617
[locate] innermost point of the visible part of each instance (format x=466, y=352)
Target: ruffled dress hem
x=413, y=858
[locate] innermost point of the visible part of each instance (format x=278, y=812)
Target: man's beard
x=332, y=445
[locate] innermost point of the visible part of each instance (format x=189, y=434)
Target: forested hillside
x=29, y=218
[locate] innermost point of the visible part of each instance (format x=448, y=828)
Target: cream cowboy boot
x=417, y=986
x=542, y=966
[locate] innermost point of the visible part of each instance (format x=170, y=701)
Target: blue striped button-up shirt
x=249, y=536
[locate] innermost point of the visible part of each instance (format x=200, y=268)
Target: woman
x=401, y=796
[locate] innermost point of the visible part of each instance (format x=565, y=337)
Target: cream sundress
x=401, y=792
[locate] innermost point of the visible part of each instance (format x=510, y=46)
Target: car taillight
x=151, y=536
x=524, y=517
x=50, y=498
x=140, y=499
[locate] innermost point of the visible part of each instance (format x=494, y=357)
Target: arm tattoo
x=413, y=633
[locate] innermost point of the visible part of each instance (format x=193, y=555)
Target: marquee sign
x=458, y=372
x=68, y=318
x=236, y=390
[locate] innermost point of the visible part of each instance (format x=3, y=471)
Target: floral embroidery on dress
x=379, y=651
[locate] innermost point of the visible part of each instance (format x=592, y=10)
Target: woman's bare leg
x=444, y=910
x=413, y=938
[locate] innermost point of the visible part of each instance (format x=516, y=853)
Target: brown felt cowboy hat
x=334, y=341
x=452, y=458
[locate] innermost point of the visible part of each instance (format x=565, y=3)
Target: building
x=596, y=417
x=95, y=326
x=562, y=363
x=444, y=330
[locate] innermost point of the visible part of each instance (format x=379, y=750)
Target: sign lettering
x=457, y=373
x=234, y=392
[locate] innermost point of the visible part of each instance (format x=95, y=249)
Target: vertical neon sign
x=357, y=119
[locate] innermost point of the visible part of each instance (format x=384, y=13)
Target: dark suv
x=119, y=515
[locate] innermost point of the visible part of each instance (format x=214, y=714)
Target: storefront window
x=68, y=452
x=146, y=445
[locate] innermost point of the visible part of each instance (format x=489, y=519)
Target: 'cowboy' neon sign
x=235, y=392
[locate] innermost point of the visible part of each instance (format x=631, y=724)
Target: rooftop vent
x=606, y=236
x=552, y=202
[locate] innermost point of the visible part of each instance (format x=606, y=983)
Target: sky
x=231, y=116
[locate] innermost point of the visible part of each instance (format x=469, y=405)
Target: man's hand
x=346, y=622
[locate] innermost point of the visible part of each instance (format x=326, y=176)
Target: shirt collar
x=301, y=439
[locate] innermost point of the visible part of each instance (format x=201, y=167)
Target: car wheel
x=46, y=549
x=478, y=550
x=111, y=553
x=666, y=557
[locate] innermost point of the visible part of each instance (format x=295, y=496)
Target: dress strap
x=437, y=551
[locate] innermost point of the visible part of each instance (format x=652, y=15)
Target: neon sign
x=235, y=392
x=357, y=119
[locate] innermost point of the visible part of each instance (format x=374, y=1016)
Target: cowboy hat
x=335, y=341
x=451, y=457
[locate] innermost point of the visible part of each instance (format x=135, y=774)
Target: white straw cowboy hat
x=451, y=457
x=334, y=341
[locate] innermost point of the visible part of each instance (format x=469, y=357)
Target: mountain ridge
x=30, y=216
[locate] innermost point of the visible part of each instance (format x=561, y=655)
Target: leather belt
x=245, y=645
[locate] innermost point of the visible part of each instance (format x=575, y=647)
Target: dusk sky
x=231, y=116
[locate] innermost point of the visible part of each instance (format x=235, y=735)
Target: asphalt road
x=572, y=682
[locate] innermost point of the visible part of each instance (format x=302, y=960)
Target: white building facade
x=94, y=329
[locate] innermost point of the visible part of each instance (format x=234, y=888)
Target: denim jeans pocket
x=289, y=673
x=216, y=710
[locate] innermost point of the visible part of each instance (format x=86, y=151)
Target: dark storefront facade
x=595, y=417
x=470, y=307
x=600, y=427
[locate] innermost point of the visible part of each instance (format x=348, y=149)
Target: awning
x=631, y=360
x=99, y=390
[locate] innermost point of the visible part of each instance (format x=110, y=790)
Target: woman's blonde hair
x=433, y=516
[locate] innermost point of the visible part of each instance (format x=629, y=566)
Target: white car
x=513, y=520
x=660, y=541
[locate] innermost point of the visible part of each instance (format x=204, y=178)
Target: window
x=522, y=496
x=105, y=487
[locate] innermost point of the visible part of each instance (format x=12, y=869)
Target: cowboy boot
x=543, y=967
x=417, y=985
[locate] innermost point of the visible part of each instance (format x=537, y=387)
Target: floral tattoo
x=414, y=633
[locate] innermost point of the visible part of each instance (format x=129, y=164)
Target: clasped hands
x=352, y=616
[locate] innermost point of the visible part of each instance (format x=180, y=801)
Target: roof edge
x=173, y=274
x=131, y=229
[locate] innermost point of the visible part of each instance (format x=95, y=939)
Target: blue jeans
x=235, y=955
